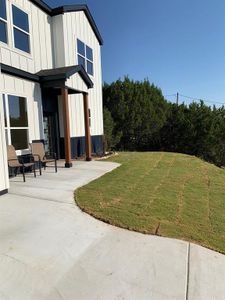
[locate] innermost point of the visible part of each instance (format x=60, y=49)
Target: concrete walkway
x=49, y=249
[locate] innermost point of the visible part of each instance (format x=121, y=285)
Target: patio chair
x=13, y=162
x=38, y=152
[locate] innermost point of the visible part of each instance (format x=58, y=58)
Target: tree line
x=137, y=117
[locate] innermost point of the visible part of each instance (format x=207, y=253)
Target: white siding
x=60, y=108
x=77, y=83
x=53, y=44
x=4, y=181
x=40, y=38
x=76, y=120
x=76, y=25
x=58, y=41
x=76, y=115
x=31, y=91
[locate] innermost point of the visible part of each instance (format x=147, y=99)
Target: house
x=50, y=80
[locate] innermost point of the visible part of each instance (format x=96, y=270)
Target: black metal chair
x=38, y=152
x=13, y=162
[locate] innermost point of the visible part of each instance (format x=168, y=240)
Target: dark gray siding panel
x=3, y=192
x=78, y=146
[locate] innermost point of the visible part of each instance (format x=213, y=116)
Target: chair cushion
x=28, y=164
x=14, y=164
x=46, y=160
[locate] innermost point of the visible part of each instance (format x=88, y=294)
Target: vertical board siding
x=4, y=180
x=60, y=110
x=77, y=83
x=32, y=92
x=53, y=44
x=41, y=56
x=77, y=120
x=58, y=41
x=76, y=25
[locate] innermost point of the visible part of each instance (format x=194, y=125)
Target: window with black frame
x=3, y=22
x=16, y=121
x=21, y=30
x=85, y=57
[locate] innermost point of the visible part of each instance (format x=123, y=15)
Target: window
x=89, y=117
x=16, y=121
x=21, y=29
x=85, y=57
x=3, y=22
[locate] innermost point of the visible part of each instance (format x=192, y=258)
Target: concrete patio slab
x=49, y=249
x=207, y=274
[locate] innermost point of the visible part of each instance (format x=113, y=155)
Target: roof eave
x=85, y=77
x=79, y=7
x=42, y=6
x=70, y=8
x=64, y=75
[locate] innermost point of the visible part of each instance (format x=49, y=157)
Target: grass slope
x=167, y=194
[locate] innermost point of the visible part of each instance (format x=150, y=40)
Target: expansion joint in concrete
x=187, y=272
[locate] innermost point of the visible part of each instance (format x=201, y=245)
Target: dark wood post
x=66, y=123
x=87, y=128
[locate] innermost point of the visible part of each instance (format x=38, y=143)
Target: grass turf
x=167, y=194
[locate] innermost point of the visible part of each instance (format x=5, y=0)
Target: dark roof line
x=85, y=9
x=18, y=73
x=70, y=8
x=42, y=5
x=43, y=76
x=64, y=73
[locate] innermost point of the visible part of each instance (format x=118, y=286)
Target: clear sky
x=178, y=45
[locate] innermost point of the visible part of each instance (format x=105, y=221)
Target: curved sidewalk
x=49, y=249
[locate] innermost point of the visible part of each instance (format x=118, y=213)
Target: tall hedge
x=138, y=110
x=138, y=118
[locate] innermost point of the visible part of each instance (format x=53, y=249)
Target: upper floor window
x=3, y=22
x=85, y=57
x=21, y=29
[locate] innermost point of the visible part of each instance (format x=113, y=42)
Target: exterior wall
x=53, y=43
x=76, y=112
x=77, y=115
x=4, y=177
x=40, y=39
x=76, y=25
x=58, y=41
x=32, y=92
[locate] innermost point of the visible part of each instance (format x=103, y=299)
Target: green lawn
x=166, y=194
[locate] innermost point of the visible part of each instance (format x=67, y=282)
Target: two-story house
x=50, y=80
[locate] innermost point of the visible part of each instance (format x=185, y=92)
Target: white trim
x=8, y=128
x=22, y=30
x=2, y=146
x=7, y=35
x=85, y=56
x=25, y=53
x=6, y=22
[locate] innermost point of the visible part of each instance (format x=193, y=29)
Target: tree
x=138, y=118
x=138, y=110
x=110, y=139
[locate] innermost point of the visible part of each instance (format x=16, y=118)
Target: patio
x=58, y=186
x=51, y=250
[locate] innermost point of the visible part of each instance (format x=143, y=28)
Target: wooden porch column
x=66, y=123
x=87, y=127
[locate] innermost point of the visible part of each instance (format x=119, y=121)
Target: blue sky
x=178, y=45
